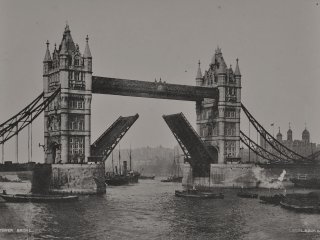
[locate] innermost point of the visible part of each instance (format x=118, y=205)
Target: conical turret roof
x=87, y=52
x=67, y=42
x=47, y=56
x=237, y=70
x=221, y=65
x=63, y=48
x=199, y=73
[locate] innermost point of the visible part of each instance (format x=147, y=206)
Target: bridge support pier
x=69, y=178
x=223, y=176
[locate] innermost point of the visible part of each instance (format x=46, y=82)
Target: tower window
x=76, y=149
x=230, y=129
x=76, y=122
x=70, y=75
x=76, y=76
x=230, y=113
x=76, y=102
x=230, y=148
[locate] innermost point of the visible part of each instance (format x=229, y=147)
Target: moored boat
x=117, y=177
x=132, y=174
x=299, y=208
x=38, y=198
x=117, y=180
x=275, y=199
x=306, y=183
x=175, y=176
x=172, y=179
x=198, y=194
x=301, y=202
x=146, y=177
x=243, y=194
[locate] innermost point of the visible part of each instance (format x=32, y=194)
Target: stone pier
x=223, y=176
x=69, y=178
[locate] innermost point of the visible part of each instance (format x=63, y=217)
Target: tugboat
x=193, y=193
x=115, y=178
x=176, y=172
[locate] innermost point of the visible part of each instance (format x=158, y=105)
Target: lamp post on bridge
x=2, y=149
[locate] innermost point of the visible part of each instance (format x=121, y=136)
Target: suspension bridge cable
x=28, y=143
x=274, y=143
x=260, y=150
x=31, y=140
x=22, y=119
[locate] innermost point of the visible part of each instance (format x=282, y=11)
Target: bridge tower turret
x=218, y=123
x=199, y=79
x=47, y=63
x=67, y=119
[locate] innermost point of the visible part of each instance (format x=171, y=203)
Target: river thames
x=149, y=210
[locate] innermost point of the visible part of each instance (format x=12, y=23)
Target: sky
x=277, y=43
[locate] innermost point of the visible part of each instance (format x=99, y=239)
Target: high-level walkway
x=162, y=90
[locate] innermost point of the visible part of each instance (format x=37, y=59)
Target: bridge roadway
x=163, y=90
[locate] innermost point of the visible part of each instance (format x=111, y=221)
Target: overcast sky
x=277, y=43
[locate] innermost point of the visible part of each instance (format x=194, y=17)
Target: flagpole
x=272, y=125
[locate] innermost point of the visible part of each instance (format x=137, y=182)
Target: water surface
x=149, y=210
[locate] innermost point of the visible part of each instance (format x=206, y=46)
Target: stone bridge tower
x=67, y=126
x=218, y=124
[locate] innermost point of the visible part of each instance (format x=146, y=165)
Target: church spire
x=87, y=52
x=47, y=57
x=237, y=70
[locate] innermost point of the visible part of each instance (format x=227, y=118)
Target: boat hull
x=306, y=183
x=147, y=177
x=202, y=195
x=172, y=179
x=117, y=180
x=276, y=199
x=304, y=209
x=37, y=198
x=134, y=177
x=300, y=202
x=247, y=195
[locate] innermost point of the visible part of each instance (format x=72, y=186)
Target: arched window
x=76, y=76
x=76, y=61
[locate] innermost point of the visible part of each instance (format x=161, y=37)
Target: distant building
x=303, y=147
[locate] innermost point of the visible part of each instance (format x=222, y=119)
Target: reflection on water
x=149, y=210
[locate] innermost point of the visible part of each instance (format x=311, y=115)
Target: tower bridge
x=68, y=87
